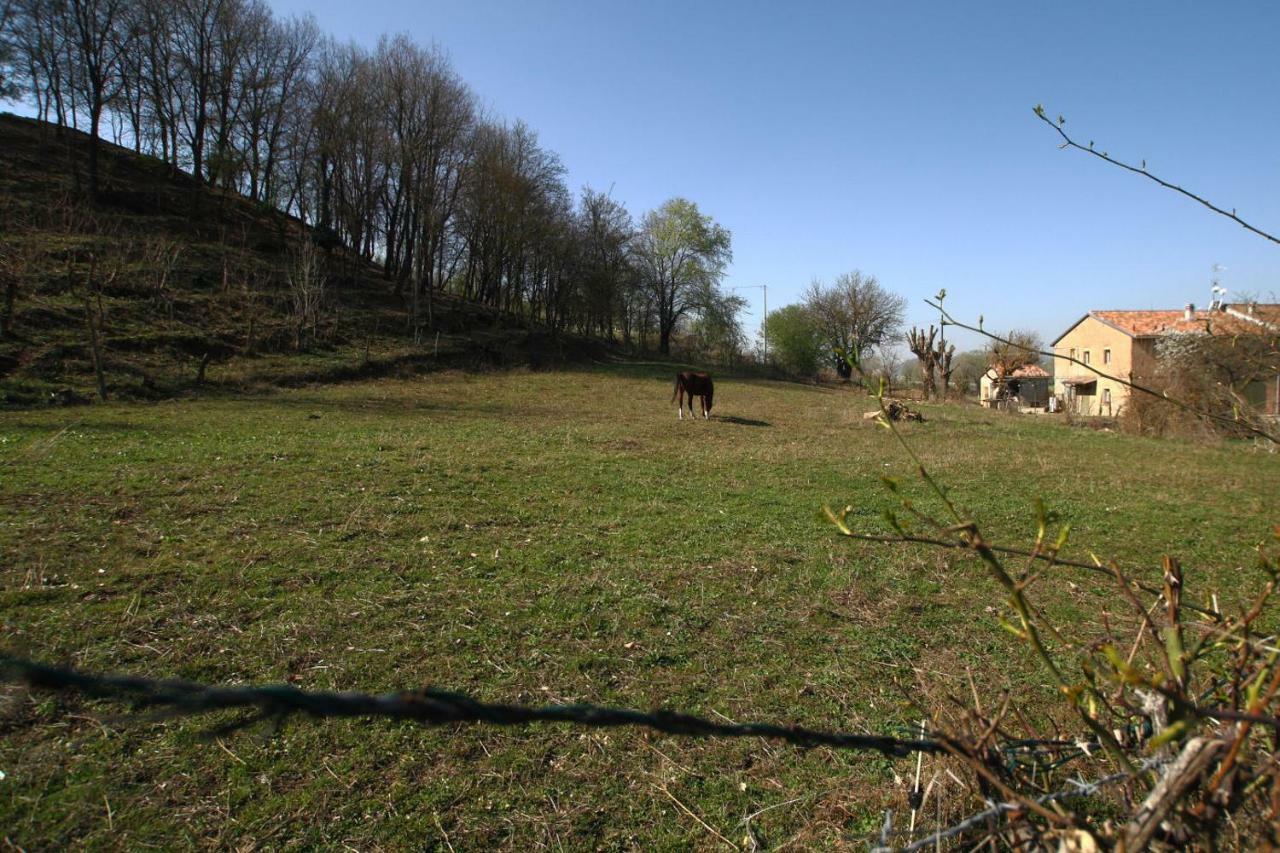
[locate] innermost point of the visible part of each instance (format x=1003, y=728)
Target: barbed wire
x=428, y=706
x=1076, y=789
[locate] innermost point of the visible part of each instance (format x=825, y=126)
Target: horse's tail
x=676, y=390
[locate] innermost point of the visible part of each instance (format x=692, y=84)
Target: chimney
x=1189, y=313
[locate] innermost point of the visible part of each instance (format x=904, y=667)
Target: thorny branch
x=951, y=544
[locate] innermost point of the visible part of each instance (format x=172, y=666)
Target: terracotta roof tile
x=1030, y=371
x=1144, y=324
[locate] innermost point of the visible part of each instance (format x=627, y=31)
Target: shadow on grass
x=734, y=419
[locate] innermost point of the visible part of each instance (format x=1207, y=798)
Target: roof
x=1030, y=371
x=1027, y=371
x=1079, y=380
x=1227, y=320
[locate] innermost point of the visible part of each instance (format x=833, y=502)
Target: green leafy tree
x=794, y=339
x=969, y=367
x=716, y=333
x=682, y=254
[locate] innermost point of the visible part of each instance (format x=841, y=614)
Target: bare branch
x=1142, y=170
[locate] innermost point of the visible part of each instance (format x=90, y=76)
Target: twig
x=1068, y=142
x=690, y=813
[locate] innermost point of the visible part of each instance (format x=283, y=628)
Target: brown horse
x=695, y=385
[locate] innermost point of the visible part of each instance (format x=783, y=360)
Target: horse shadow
x=734, y=419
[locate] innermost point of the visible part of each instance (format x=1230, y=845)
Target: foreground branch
x=1051, y=558
x=1068, y=142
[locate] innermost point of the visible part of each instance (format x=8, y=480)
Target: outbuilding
x=1027, y=387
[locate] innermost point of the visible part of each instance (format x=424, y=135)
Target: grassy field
x=535, y=537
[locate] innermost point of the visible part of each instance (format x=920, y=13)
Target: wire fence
x=1076, y=788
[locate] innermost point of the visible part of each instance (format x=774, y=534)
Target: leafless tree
x=924, y=349
x=855, y=315
x=307, y=284
x=1018, y=348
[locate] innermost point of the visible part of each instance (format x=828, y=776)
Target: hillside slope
x=186, y=286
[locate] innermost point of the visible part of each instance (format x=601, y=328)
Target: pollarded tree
x=682, y=254
x=855, y=315
x=924, y=350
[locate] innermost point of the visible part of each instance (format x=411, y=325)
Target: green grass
x=535, y=537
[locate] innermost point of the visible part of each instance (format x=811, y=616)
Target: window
x=1106, y=356
x=1086, y=356
x=1073, y=352
x=1106, y=396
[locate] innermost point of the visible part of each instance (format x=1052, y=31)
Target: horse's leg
x=706, y=413
x=680, y=402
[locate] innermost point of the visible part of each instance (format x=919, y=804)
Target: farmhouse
x=1026, y=387
x=1124, y=344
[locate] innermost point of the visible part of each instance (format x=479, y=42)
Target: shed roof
x=1030, y=371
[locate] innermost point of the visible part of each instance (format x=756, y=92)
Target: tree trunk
x=94, y=347
x=95, y=119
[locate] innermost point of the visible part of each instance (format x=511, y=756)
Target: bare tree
x=1018, y=348
x=307, y=283
x=38, y=36
x=384, y=151
x=855, y=315
x=607, y=233
x=923, y=348
x=10, y=65
x=195, y=41
x=100, y=39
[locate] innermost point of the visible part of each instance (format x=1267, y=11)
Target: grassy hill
x=174, y=275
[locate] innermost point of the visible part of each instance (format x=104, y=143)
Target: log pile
x=897, y=411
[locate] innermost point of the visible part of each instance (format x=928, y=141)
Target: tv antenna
x=1219, y=292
